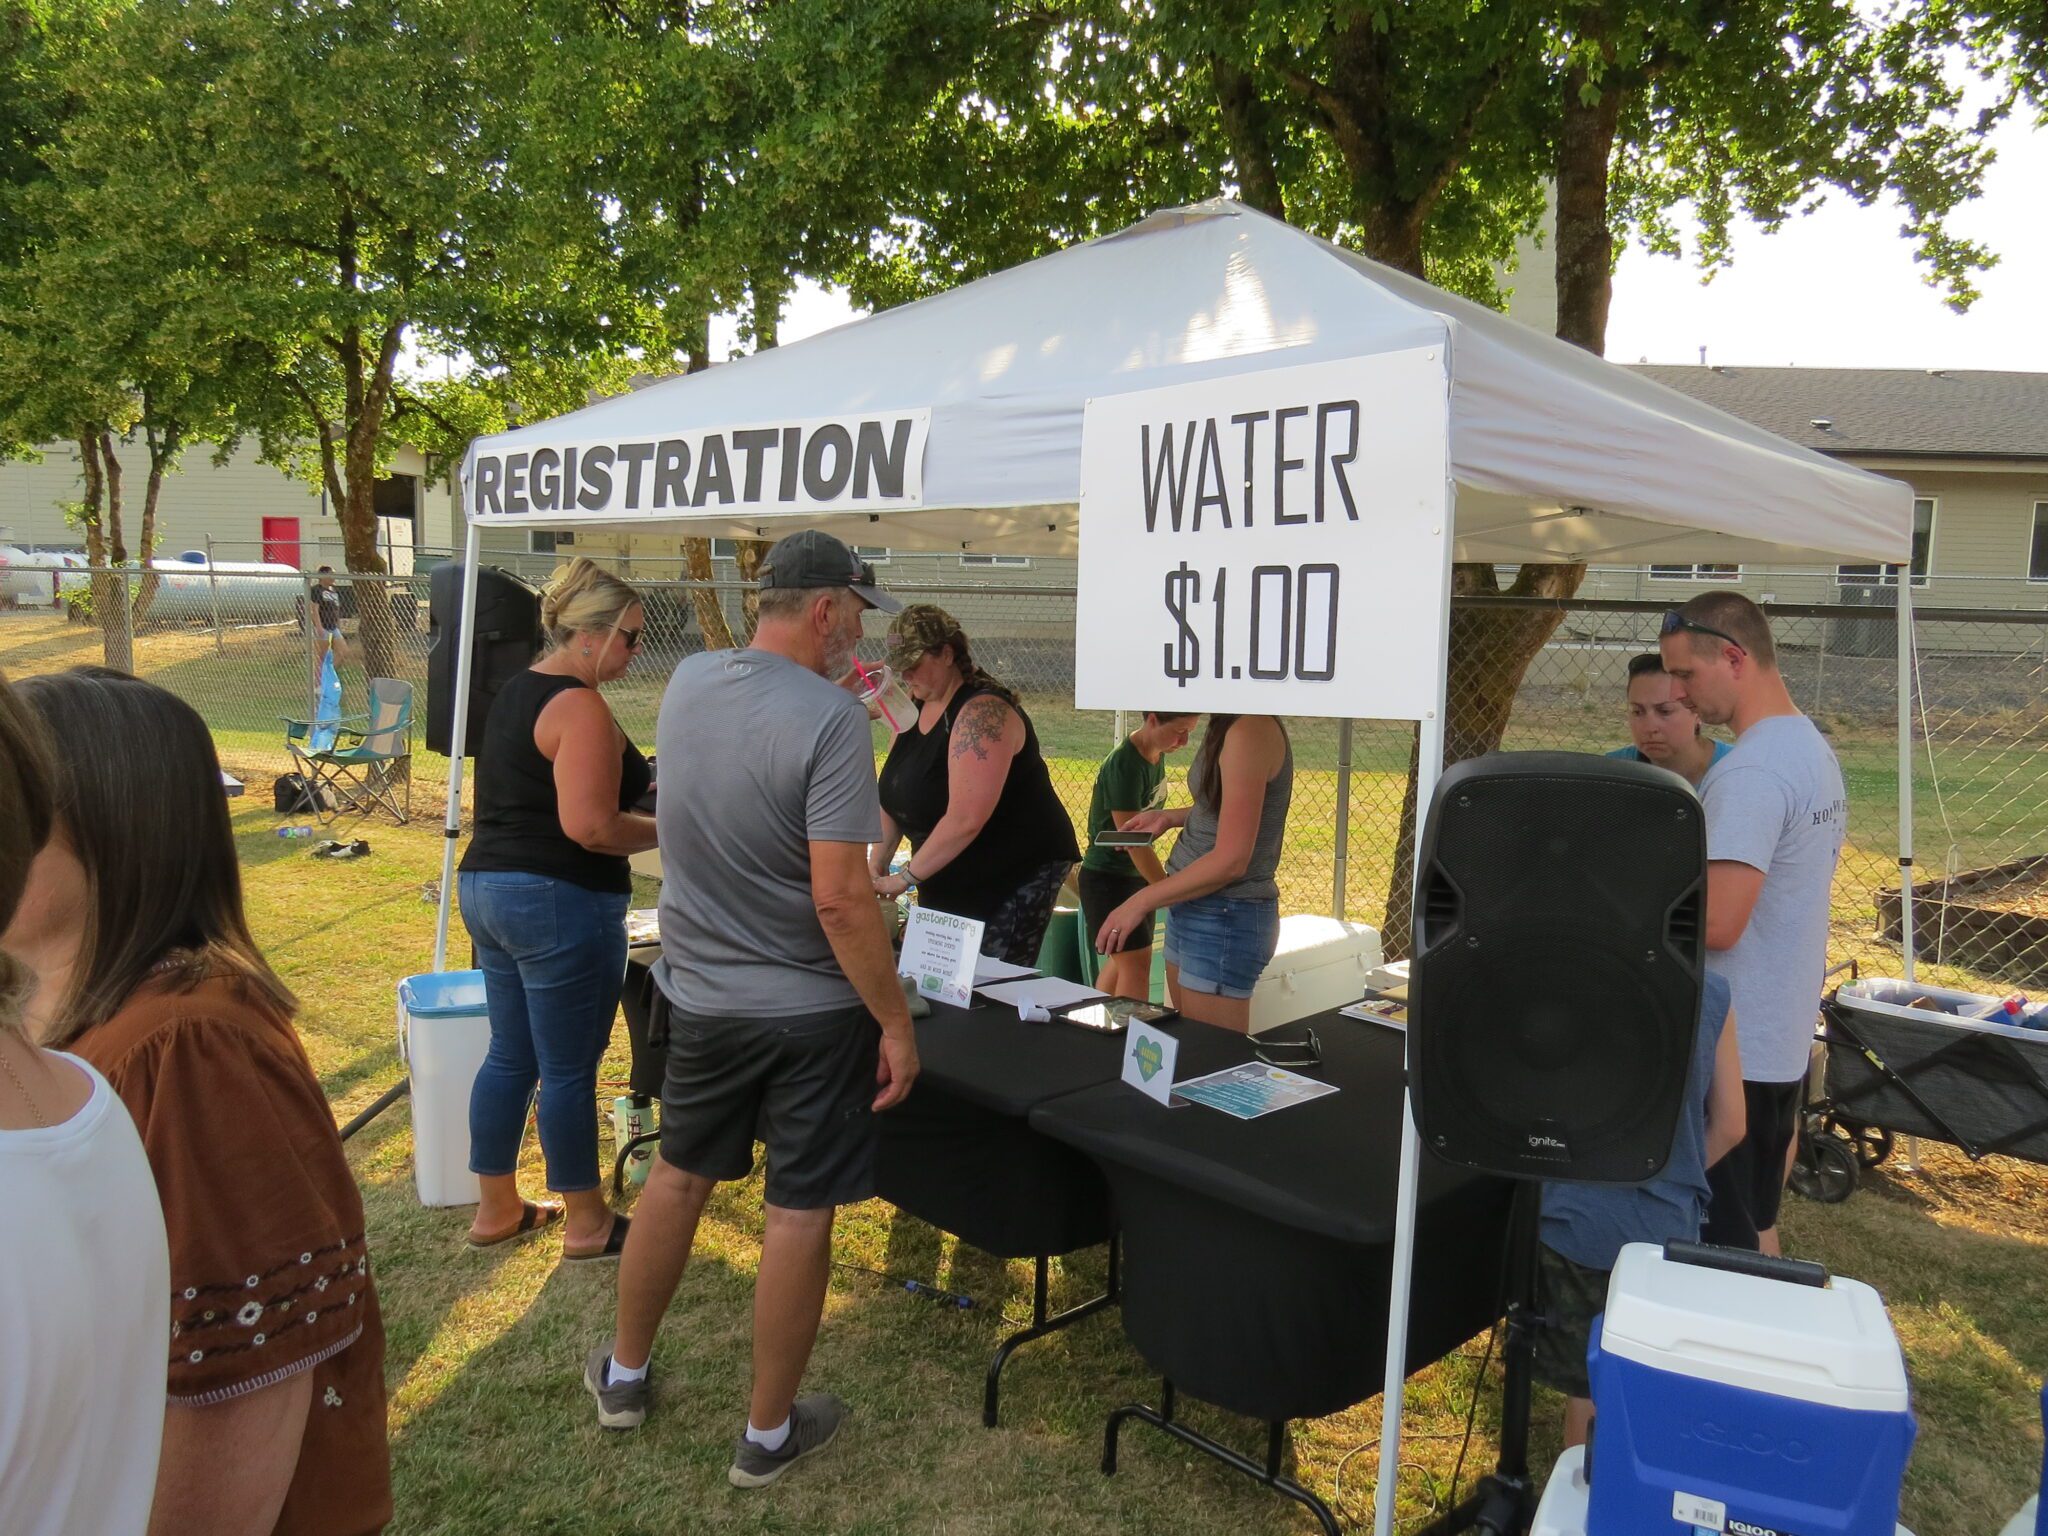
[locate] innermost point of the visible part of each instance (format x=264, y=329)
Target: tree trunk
x=749, y=553
x=376, y=630
x=161, y=452
x=710, y=614
x=1585, y=242
x=110, y=589
x=1247, y=125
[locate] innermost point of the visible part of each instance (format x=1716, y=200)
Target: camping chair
x=371, y=757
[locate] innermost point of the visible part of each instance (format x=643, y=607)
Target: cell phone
x=1112, y=1015
x=1110, y=838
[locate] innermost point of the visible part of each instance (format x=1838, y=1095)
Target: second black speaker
x=507, y=639
x=1559, y=945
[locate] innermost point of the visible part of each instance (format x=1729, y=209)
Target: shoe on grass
x=814, y=1421
x=620, y=1404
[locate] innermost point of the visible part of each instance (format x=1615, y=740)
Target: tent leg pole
x=1429, y=765
x=1340, y=873
x=452, y=828
x=1908, y=936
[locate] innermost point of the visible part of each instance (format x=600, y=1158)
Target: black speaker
x=507, y=635
x=1559, y=942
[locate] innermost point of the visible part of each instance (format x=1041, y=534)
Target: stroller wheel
x=1872, y=1144
x=1825, y=1171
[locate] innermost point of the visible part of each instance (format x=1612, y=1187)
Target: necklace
x=21, y=1088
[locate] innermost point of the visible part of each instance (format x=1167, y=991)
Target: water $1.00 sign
x=1269, y=543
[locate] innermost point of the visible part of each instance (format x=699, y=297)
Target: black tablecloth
x=1258, y=1253
x=959, y=1152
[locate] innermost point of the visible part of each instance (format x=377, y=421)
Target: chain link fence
x=237, y=646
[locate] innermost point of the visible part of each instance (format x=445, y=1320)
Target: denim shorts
x=1221, y=944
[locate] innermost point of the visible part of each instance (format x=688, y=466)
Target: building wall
x=201, y=500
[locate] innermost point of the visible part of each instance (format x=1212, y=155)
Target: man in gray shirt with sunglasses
x=1776, y=814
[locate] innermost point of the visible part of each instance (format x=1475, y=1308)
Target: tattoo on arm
x=980, y=726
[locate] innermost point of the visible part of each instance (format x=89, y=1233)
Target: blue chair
x=369, y=764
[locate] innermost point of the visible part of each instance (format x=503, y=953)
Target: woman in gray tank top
x=1222, y=905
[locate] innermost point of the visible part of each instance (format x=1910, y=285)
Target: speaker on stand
x=1555, y=991
x=507, y=639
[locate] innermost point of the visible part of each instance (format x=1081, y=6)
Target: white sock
x=768, y=1439
x=616, y=1374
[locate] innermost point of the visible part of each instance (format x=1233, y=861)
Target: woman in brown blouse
x=133, y=922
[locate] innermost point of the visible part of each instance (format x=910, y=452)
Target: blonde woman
x=86, y=1274
x=544, y=889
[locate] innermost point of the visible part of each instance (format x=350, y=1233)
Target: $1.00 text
x=1290, y=627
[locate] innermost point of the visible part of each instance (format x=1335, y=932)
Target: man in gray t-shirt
x=774, y=978
x=1776, y=814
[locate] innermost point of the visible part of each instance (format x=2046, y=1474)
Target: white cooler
x=1320, y=963
x=444, y=1030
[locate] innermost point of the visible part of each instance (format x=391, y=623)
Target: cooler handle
x=1740, y=1261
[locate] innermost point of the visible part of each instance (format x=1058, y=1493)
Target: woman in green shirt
x=1130, y=780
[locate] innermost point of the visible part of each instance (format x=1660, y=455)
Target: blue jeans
x=554, y=960
x=1222, y=944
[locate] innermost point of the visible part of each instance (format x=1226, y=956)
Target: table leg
x=1161, y=1418
x=1041, y=1325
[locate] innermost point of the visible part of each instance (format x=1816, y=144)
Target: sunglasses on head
x=1674, y=621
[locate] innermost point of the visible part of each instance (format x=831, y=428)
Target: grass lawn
x=492, y=1432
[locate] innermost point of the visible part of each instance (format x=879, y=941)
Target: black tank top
x=518, y=818
x=1028, y=829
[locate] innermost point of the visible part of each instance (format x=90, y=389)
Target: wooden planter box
x=1968, y=921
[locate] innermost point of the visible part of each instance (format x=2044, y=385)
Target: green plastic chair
x=1060, y=952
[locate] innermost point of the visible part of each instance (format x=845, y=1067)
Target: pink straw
x=868, y=678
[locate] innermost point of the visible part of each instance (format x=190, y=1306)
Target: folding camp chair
x=369, y=764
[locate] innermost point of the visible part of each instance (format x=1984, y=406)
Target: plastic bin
x=444, y=1029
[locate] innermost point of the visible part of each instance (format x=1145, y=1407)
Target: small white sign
x=1699, y=1512
x=1268, y=543
x=939, y=952
x=1148, y=1061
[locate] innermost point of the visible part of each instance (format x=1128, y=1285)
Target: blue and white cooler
x=1744, y=1395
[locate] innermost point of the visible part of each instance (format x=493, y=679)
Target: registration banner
x=1269, y=543
x=838, y=464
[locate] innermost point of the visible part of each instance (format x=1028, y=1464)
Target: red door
x=281, y=541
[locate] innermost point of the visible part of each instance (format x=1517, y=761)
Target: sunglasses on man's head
x=1674, y=621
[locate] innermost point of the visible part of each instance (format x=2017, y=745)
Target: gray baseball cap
x=814, y=558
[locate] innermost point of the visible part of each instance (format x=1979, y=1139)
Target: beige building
x=248, y=510
x=1973, y=445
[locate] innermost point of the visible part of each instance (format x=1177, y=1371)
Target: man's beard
x=838, y=658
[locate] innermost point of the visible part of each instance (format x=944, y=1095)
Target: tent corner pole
x=1340, y=872
x=452, y=827
x=1908, y=934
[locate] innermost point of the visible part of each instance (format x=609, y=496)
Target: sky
x=1835, y=288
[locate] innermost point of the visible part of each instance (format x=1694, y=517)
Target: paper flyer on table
x=939, y=954
x=1040, y=994
x=989, y=969
x=1252, y=1090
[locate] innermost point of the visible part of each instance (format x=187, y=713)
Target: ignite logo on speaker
x=1544, y=1144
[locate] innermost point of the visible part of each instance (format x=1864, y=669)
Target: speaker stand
x=1504, y=1503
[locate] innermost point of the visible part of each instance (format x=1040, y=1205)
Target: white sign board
x=1148, y=1061
x=1269, y=543
x=939, y=954
x=839, y=464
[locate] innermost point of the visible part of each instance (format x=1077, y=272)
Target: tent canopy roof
x=1556, y=454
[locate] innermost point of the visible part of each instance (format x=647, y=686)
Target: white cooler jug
x=444, y=1030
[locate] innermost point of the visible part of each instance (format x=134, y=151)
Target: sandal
x=532, y=1218
x=614, y=1245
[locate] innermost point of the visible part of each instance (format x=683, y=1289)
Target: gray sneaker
x=620, y=1404
x=814, y=1421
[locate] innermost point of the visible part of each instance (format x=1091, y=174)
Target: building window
x=1706, y=572
x=2037, y=553
x=1888, y=575
x=1006, y=562
x=545, y=541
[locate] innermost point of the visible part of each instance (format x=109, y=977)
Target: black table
x=1258, y=1253
x=960, y=1154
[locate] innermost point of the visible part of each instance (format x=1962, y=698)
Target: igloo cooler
x=1733, y=1393
x=1318, y=963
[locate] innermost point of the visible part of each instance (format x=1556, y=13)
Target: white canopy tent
x=1553, y=454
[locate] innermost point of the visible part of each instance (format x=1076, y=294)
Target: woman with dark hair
x=545, y=886
x=1666, y=729
x=1222, y=903
x=988, y=837
x=84, y=1270
x=146, y=968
